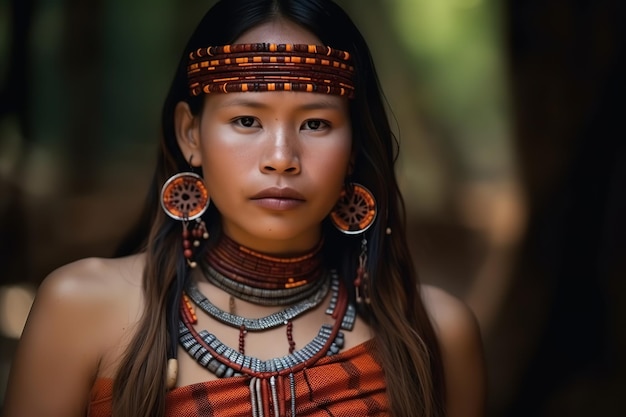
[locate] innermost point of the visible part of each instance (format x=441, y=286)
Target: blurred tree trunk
x=567, y=71
x=14, y=95
x=83, y=75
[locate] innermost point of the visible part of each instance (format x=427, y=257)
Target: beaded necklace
x=263, y=279
x=224, y=361
x=260, y=296
x=265, y=323
x=267, y=378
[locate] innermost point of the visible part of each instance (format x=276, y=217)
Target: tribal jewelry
x=246, y=264
x=224, y=361
x=263, y=279
x=270, y=67
x=355, y=211
x=258, y=295
x=258, y=324
x=269, y=378
x=188, y=310
x=184, y=197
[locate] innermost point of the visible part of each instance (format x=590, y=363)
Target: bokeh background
x=513, y=164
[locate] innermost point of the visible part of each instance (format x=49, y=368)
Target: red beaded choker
x=262, y=278
x=270, y=67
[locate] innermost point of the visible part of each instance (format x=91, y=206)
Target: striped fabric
x=349, y=384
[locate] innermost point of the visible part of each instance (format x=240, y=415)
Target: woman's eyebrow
x=322, y=104
x=243, y=102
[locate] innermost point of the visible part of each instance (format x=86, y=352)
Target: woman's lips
x=278, y=198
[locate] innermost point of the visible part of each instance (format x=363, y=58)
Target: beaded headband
x=270, y=67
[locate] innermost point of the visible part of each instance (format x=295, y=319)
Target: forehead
x=276, y=100
x=278, y=31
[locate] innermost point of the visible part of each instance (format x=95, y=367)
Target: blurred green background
x=501, y=107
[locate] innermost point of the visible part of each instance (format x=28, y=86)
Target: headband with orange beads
x=270, y=67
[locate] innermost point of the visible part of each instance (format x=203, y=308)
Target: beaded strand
x=273, y=320
x=224, y=361
x=270, y=67
x=269, y=47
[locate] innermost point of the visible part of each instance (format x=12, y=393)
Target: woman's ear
x=187, y=129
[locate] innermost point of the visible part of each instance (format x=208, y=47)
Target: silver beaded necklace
x=258, y=324
x=224, y=361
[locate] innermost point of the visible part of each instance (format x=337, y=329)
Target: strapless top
x=348, y=384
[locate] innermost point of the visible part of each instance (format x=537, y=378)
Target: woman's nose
x=282, y=155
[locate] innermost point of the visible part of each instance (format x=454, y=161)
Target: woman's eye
x=246, y=121
x=314, y=125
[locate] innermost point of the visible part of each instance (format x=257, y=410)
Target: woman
x=273, y=217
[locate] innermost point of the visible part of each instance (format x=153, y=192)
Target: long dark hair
x=406, y=343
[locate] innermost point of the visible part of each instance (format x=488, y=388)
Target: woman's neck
x=259, y=270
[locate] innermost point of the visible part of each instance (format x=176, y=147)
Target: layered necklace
x=299, y=284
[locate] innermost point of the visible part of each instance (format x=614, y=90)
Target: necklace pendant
x=268, y=397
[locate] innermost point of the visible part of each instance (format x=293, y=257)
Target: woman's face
x=274, y=162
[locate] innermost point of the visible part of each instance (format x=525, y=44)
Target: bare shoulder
x=92, y=289
x=461, y=345
x=93, y=279
x=98, y=295
x=81, y=314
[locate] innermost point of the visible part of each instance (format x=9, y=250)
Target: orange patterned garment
x=349, y=384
